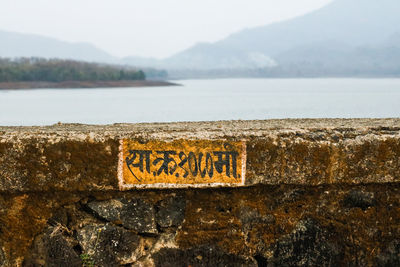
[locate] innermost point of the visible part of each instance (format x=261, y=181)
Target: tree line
x=57, y=70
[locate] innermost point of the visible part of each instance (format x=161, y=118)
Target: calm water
x=199, y=100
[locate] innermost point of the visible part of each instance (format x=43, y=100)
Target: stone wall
x=317, y=192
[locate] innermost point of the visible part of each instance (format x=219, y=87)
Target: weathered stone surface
x=308, y=245
x=203, y=256
x=171, y=211
x=303, y=152
x=134, y=214
x=107, y=245
x=359, y=199
x=53, y=248
x=2, y=258
x=318, y=192
x=109, y=209
x=390, y=256
x=23, y=217
x=265, y=225
x=250, y=218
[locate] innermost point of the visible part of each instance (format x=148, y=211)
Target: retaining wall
x=298, y=192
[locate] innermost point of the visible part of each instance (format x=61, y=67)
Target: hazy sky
x=156, y=28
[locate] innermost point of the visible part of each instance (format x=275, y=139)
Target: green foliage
x=87, y=261
x=55, y=70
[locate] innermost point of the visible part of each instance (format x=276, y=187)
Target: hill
x=351, y=22
x=344, y=38
x=29, y=45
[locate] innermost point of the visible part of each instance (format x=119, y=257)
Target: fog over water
x=205, y=100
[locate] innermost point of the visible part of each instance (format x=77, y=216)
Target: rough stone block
x=134, y=214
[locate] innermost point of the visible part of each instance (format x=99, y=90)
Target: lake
x=205, y=100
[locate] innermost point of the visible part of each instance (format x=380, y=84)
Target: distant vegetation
x=56, y=70
x=155, y=74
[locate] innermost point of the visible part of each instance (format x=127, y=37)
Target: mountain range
x=344, y=38
x=14, y=44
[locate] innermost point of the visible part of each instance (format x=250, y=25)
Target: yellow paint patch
x=181, y=163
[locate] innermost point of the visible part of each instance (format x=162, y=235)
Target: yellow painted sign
x=181, y=163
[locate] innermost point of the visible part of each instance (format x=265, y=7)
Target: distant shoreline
x=82, y=84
